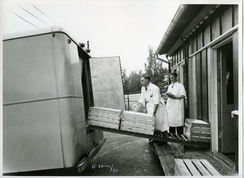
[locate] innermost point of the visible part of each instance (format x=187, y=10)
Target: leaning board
x=107, y=84
x=137, y=122
x=104, y=117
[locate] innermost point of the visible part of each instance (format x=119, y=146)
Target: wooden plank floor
x=170, y=151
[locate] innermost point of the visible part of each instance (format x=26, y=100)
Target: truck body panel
x=44, y=122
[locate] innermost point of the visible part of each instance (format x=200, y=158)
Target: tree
x=155, y=69
x=134, y=82
x=125, y=80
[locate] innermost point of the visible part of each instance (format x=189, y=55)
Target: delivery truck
x=47, y=92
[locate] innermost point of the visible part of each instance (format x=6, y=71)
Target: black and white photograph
x=121, y=88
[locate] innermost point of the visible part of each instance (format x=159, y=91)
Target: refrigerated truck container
x=47, y=93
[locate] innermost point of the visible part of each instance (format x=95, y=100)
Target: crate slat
x=103, y=124
x=137, y=115
x=197, y=122
x=105, y=110
x=200, y=129
x=199, y=139
x=134, y=119
x=104, y=115
x=137, y=125
x=138, y=120
x=197, y=128
x=94, y=118
x=201, y=134
x=140, y=128
x=114, y=117
x=137, y=130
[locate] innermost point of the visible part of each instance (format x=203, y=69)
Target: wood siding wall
x=222, y=20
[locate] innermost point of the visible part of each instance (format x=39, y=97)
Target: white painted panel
x=62, y=63
x=72, y=124
x=31, y=137
x=28, y=70
x=76, y=69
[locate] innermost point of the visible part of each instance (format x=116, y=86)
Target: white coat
x=175, y=107
x=149, y=98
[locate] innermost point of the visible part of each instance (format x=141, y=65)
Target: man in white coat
x=175, y=107
x=151, y=98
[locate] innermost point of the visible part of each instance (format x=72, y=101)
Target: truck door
x=107, y=82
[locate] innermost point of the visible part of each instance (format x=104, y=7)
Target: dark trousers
x=179, y=129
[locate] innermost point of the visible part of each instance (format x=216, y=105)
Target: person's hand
x=154, y=116
x=170, y=95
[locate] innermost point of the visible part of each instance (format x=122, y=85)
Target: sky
x=124, y=28
x=113, y=27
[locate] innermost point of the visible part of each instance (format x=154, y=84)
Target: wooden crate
x=137, y=122
x=197, y=130
x=194, y=167
x=104, y=117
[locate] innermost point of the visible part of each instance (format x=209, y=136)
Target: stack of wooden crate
x=104, y=117
x=137, y=122
x=197, y=130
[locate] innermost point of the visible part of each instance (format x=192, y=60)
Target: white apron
x=161, y=121
x=175, y=109
x=150, y=97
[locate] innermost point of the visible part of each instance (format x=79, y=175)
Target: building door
x=226, y=98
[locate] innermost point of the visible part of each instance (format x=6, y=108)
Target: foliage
x=134, y=81
x=153, y=67
x=131, y=84
x=125, y=80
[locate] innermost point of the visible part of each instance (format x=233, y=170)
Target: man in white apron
x=175, y=106
x=150, y=96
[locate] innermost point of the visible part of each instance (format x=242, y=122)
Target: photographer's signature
x=104, y=165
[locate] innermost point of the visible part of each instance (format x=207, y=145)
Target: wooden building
x=201, y=44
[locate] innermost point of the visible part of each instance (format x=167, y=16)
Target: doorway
x=226, y=124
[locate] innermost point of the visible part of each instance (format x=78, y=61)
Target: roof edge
x=42, y=31
x=174, y=21
x=33, y=32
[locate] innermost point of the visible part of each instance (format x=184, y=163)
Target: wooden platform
x=194, y=167
x=167, y=154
